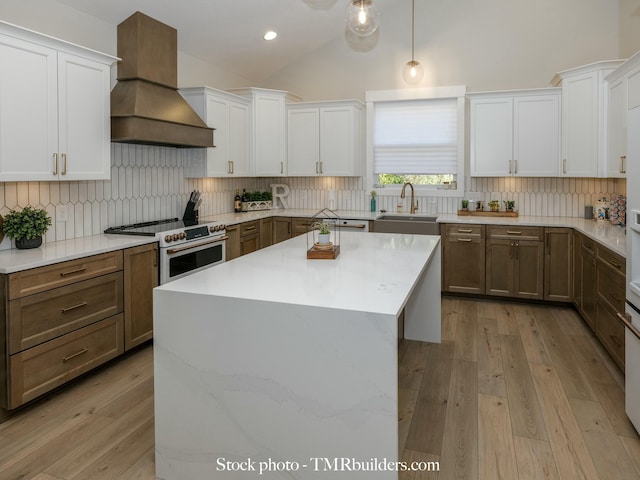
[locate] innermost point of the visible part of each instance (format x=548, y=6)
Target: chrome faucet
x=414, y=206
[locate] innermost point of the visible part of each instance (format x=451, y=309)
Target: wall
x=629, y=27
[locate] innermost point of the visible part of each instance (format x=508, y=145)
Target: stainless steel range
x=185, y=246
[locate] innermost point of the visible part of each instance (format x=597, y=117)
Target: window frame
x=376, y=96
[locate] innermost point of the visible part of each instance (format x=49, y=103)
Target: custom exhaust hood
x=146, y=107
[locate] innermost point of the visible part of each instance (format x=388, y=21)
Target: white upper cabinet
x=617, y=129
x=230, y=116
x=325, y=138
x=622, y=97
x=268, y=129
x=584, y=119
x=515, y=133
x=54, y=109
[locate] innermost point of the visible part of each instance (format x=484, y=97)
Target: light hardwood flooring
x=514, y=391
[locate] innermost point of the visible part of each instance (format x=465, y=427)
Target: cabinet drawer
x=47, y=366
x=37, y=318
x=589, y=245
x=523, y=233
x=610, y=286
x=40, y=279
x=464, y=229
x=248, y=228
x=611, y=333
x=300, y=226
x=613, y=260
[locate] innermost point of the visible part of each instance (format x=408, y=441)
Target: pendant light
x=362, y=17
x=412, y=71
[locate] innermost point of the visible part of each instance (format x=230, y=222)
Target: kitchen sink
x=417, y=224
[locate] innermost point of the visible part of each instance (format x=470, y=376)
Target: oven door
x=182, y=260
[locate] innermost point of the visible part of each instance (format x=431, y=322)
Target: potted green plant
x=465, y=204
x=324, y=234
x=26, y=226
x=509, y=205
x=494, y=205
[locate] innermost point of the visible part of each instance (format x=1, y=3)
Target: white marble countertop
x=362, y=278
x=15, y=260
x=611, y=236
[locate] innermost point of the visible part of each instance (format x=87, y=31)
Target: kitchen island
x=275, y=358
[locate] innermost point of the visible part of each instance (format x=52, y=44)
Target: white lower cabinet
x=515, y=133
x=325, y=138
x=54, y=109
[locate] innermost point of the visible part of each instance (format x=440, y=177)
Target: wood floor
x=514, y=391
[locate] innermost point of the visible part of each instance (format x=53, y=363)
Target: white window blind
x=416, y=137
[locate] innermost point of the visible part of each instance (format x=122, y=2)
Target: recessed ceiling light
x=270, y=35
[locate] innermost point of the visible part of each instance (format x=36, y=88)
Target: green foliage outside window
x=393, y=179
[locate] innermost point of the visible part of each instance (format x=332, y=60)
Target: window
x=416, y=136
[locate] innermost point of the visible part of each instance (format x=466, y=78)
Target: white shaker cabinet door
x=303, y=141
x=580, y=126
x=28, y=110
x=84, y=119
x=617, y=134
x=340, y=141
x=269, y=132
x=239, y=126
x=492, y=137
x=536, y=136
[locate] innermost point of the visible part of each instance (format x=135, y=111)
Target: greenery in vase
x=321, y=227
x=465, y=204
x=494, y=205
x=509, y=205
x=373, y=194
x=28, y=223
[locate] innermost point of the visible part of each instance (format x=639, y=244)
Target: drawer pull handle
x=514, y=232
x=617, y=265
x=465, y=230
x=73, y=307
x=74, y=355
x=464, y=239
x=71, y=272
x=253, y=227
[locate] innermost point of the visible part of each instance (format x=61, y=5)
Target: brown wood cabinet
x=558, y=264
x=266, y=232
x=281, y=229
x=249, y=239
x=515, y=261
x=299, y=226
x=463, y=251
x=576, y=282
x=58, y=322
x=588, y=294
x=610, y=298
x=140, y=278
x=232, y=245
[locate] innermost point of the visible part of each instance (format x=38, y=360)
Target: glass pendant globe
x=362, y=17
x=412, y=72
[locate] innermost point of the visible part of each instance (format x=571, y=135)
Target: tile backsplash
x=147, y=183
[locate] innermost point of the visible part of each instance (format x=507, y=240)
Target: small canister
x=601, y=210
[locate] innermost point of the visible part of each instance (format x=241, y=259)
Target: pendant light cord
x=413, y=9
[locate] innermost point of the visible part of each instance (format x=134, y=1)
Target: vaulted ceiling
x=228, y=33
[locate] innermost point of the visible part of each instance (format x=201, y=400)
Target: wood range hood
x=146, y=107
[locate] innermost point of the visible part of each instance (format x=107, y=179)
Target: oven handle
x=628, y=324
x=171, y=251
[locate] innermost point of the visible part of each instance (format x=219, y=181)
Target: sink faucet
x=414, y=206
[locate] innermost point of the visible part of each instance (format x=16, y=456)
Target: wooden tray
x=323, y=254
x=486, y=213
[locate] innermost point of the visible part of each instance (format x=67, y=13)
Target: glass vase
x=373, y=204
